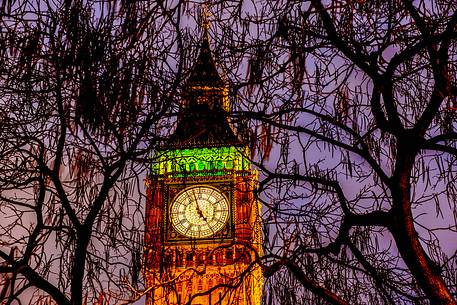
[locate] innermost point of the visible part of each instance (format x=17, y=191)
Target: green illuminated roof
x=200, y=161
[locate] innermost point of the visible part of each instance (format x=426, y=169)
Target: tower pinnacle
x=205, y=20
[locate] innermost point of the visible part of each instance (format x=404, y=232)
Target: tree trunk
x=409, y=247
x=78, y=269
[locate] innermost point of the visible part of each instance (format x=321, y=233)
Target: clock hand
x=199, y=211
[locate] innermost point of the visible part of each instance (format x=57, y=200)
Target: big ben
x=203, y=229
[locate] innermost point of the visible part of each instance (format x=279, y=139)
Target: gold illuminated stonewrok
x=203, y=231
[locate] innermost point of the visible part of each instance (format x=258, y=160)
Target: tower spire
x=202, y=119
x=204, y=79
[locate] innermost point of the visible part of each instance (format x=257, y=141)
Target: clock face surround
x=199, y=211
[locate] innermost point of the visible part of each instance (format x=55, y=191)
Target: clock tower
x=203, y=230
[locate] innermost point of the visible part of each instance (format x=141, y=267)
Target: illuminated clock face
x=199, y=211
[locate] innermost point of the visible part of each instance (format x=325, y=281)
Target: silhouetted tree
x=352, y=101
x=350, y=107
x=85, y=93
